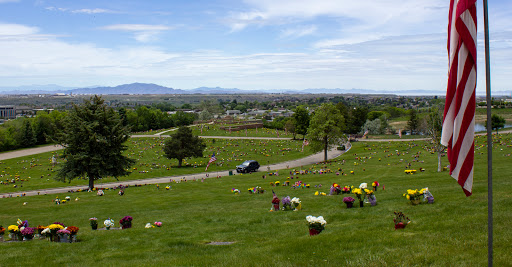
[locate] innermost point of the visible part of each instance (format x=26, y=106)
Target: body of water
x=481, y=128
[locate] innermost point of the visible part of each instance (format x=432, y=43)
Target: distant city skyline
x=387, y=45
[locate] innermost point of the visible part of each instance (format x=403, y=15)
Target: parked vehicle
x=248, y=166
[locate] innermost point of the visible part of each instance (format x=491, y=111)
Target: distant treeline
x=41, y=129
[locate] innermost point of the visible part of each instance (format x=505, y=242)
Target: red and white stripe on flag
x=459, y=112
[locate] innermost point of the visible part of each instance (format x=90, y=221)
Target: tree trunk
x=325, y=148
x=179, y=162
x=439, y=168
x=91, y=183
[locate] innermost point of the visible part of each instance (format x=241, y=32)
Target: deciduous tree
x=326, y=128
x=182, y=144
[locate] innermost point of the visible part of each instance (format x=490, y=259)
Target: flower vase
x=107, y=228
x=73, y=239
x=349, y=204
x=373, y=200
x=14, y=237
x=430, y=200
x=298, y=207
x=400, y=225
x=94, y=227
x=54, y=238
x=1, y=238
x=314, y=231
x=361, y=203
x=64, y=238
x=27, y=238
x=415, y=202
x=276, y=207
x=375, y=188
x=126, y=226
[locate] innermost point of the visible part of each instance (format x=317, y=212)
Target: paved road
x=29, y=151
x=312, y=159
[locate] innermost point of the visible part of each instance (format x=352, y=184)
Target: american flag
x=459, y=111
x=365, y=133
x=212, y=159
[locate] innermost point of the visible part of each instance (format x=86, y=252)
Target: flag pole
x=489, y=138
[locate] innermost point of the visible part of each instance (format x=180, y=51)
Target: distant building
x=233, y=112
x=8, y=112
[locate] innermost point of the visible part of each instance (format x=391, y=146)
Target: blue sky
x=386, y=45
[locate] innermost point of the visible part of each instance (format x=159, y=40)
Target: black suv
x=248, y=166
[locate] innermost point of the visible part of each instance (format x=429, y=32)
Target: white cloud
x=80, y=11
x=298, y=31
x=92, y=11
x=16, y=29
x=142, y=32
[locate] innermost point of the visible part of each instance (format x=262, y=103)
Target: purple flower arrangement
x=27, y=232
x=126, y=222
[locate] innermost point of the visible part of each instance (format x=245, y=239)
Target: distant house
x=255, y=113
x=8, y=112
x=233, y=112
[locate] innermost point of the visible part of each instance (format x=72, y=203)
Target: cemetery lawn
x=36, y=171
x=214, y=130
x=450, y=232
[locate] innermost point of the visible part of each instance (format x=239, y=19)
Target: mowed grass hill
x=450, y=232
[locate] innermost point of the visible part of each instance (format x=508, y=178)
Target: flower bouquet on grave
x=73, y=230
x=335, y=189
x=27, y=233
x=427, y=196
x=94, y=223
x=275, y=202
x=316, y=224
x=345, y=190
x=370, y=197
x=375, y=185
x=158, y=224
x=64, y=235
x=14, y=232
x=251, y=190
x=400, y=220
x=414, y=196
x=259, y=190
x=359, y=194
x=39, y=231
x=52, y=231
x=296, y=204
x=108, y=223
x=349, y=201
x=287, y=203
x=2, y=231
x=235, y=191
x=126, y=222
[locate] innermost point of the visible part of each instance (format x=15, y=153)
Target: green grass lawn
x=214, y=130
x=450, y=232
x=36, y=171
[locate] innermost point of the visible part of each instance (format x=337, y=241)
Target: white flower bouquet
x=316, y=224
x=296, y=204
x=108, y=223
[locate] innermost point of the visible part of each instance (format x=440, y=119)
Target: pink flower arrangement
x=64, y=231
x=158, y=224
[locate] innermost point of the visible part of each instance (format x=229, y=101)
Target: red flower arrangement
x=73, y=230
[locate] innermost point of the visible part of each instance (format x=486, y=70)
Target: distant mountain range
x=150, y=88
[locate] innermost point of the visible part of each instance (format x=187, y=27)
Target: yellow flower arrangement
x=13, y=228
x=55, y=227
x=368, y=191
x=413, y=194
x=358, y=192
